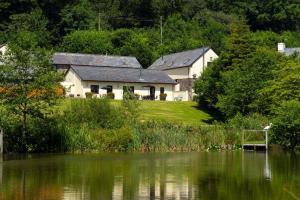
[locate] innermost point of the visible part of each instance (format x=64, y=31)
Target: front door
x=152, y=93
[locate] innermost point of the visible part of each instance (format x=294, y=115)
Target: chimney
x=281, y=47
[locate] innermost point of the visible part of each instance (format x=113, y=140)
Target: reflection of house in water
x=171, y=187
x=72, y=193
x=117, y=193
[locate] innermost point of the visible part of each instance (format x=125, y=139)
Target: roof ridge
x=115, y=67
x=86, y=54
x=207, y=47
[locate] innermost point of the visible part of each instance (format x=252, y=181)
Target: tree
x=210, y=85
x=28, y=84
x=34, y=22
x=241, y=84
x=283, y=87
x=78, y=16
x=286, y=128
x=96, y=42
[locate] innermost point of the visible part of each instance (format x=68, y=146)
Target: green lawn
x=178, y=111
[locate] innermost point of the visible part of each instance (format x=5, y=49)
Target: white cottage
x=101, y=75
x=184, y=67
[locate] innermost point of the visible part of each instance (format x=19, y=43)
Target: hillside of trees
x=132, y=27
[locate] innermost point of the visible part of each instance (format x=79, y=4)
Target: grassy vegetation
x=128, y=125
x=178, y=111
x=181, y=112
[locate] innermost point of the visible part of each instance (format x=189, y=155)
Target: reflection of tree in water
x=208, y=185
x=175, y=176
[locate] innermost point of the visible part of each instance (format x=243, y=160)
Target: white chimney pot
x=281, y=47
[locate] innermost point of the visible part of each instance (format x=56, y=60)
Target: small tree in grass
x=286, y=128
x=29, y=86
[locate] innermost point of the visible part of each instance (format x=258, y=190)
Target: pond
x=205, y=175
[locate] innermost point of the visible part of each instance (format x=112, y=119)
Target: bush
x=254, y=121
x=163, y=96
x=117, y=140
x=110, y=95
x=136, y=96
x=286, y=125
x=88, y=95
x=95, y=112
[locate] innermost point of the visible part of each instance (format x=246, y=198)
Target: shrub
x=136, y=96
x=95, y=112
x=88, y=95
x=254, y=121
x=110, y=95
x=117, y=140
x=286, y=125
x=163, y=96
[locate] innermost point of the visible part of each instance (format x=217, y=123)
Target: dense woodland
x=132, y=27
x=249, y=77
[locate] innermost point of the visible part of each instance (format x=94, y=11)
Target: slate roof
x=180, y=59
x=128, y=75
x=95, y=60
x=291, y=51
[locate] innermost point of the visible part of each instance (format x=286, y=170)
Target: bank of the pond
x=155, y=136
x=102, y=125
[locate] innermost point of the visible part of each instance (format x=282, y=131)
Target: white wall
x=75, y=86
x=197, y=67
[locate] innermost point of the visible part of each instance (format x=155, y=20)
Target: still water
x=206, y=175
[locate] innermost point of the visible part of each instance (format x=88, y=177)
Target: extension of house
x=168, y=78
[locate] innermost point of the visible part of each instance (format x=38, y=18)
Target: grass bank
x=129, y=125
x=178, y=112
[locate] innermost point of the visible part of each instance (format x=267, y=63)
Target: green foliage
x=28, y=84
x=98, y=113
x=284, y=86
x=110, y=95
x=164, y=136
x=253, y=121
x=34, y=23
x=88, y=42
x=78, y=16
x=163, y=97
x=131, y=107
x=88, y=95
x=241, y=84
x=286, y=125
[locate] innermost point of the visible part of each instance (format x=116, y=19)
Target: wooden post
x=1, y=141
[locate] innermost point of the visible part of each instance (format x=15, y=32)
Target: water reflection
x=1, y=169
x=175, y=176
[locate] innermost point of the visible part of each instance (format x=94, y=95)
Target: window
x=131, y=89
x=109, y=89
x=162, y=90
x=95, y=89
